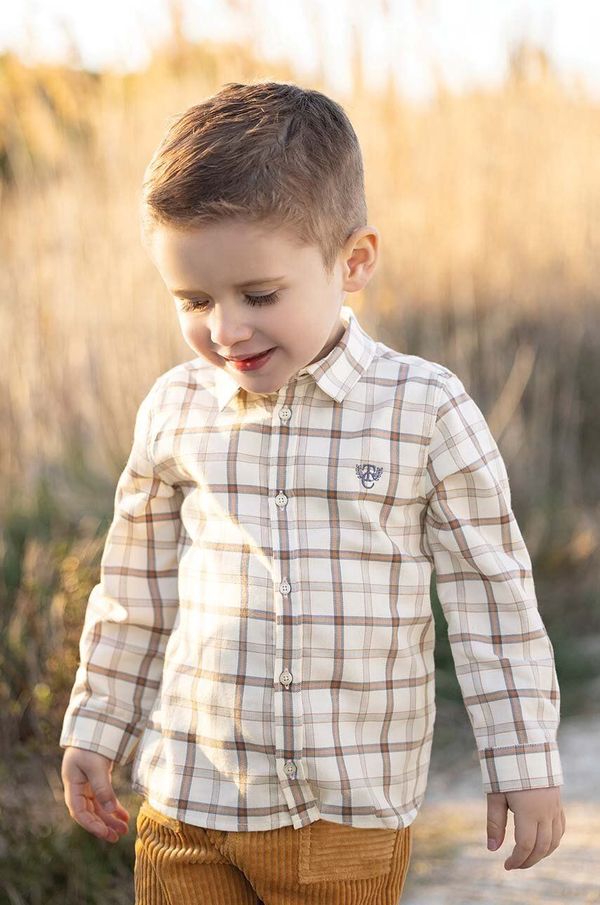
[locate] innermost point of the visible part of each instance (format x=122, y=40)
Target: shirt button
x=289, y=768
x=285, y=413
x=281, y=499
x=286, y=678
x=285, y=587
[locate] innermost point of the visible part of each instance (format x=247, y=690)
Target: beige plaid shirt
x=261, y=640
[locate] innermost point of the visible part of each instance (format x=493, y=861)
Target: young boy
x=261, y=640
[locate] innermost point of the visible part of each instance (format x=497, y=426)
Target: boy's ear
x=360, y=257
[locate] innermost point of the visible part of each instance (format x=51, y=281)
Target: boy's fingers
x=525, y=838
x=117, y=820
x=497, y=810
x=81, y=810
x=90, y=814
x=542, y=847
x=86, y=810
x=102, y=789
x=557, y=832
x=117, y=811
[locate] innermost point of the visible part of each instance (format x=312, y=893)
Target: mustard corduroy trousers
x=323, y=863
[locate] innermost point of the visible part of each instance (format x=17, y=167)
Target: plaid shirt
x=261, y=639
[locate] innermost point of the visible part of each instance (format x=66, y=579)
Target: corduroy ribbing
x=323, y=863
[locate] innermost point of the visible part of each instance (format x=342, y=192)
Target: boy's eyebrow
x=184, y=293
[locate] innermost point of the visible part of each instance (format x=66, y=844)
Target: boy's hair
x=268, y=152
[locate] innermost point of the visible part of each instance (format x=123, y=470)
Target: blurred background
x=480, y=128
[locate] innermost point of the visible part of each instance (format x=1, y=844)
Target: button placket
x=289, y=719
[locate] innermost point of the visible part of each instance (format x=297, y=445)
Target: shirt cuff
x=518, y=767
x=104, y=733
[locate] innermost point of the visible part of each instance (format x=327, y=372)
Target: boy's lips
x=244, y=357
x=254, y=362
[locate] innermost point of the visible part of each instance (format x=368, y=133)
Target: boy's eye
x=193, y=305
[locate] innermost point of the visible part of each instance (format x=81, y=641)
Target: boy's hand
x=89, y=794
x=539, y=823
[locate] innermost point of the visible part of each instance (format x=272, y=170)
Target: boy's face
x=217, y=274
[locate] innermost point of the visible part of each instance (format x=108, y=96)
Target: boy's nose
x=229, y=331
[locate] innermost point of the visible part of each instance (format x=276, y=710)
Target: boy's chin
x=264, y=386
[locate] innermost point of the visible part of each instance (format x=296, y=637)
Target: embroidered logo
x=368, y=474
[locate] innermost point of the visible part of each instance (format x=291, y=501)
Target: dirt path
x=450, y=863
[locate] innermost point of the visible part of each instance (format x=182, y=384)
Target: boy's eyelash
x=192, y=305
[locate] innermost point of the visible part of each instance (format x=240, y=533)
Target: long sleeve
x=130, y=612
x=502, y=654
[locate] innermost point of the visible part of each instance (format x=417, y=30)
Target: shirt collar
x=335, y=374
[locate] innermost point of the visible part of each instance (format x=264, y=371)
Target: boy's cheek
x=199, y=343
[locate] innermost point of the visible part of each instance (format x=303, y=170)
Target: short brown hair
x=263, y=151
